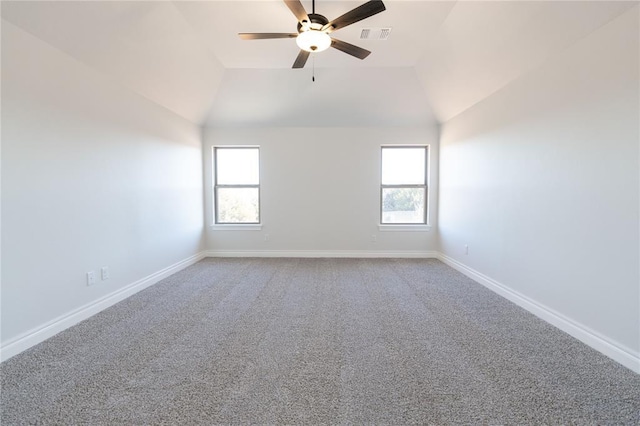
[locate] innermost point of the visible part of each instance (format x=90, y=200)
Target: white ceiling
x=366, y=97
x=441, y=57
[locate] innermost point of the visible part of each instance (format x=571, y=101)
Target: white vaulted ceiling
x=441, y=57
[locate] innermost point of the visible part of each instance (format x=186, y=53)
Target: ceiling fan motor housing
x=316, y=23
x=310, y=35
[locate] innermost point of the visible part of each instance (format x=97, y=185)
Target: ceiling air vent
x=375, y=33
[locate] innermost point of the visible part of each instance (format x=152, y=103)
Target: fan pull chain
x=313, y=69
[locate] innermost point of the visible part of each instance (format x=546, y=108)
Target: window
x=236, y=190
x=403, y=188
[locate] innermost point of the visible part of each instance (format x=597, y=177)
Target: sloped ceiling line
x=442, y=56
x=484, y=46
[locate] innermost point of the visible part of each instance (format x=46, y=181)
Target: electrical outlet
x=104, y=271
x=374, y=238
x=91, y=278
x=466, y=249
x=266, y=237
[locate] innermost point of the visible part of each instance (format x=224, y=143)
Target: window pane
x=403, y=166
x=237, y=205
x=237, y=166
x=403, y=205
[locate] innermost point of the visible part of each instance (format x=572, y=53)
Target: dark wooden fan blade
x=297, y=9
x=350, y=49
x=261, y=36
x=361, y=12
x=301, y=59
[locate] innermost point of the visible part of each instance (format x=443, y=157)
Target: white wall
x=320, y=191
x=92, y=175
x=541, y=181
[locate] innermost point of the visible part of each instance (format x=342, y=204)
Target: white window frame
x=233, y=226
x=424, y=226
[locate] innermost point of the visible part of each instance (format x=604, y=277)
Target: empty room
x=320, y=212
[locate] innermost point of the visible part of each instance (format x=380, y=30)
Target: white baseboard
x=55, y=326
x=625, y=356
x=323, y=253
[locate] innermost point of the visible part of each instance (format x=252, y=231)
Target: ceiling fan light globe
x=313, y=41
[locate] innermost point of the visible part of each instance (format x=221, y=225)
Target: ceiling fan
x=314, y=29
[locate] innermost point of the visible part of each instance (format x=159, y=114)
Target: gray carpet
x=311, y=341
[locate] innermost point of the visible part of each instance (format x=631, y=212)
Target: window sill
x=236, y=227
x=405, y=228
